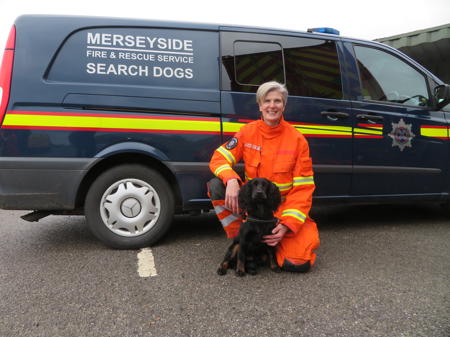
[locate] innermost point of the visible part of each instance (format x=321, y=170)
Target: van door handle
x=369, y=117
x=334, y=115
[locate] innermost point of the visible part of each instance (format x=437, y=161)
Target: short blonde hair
x=267, y=87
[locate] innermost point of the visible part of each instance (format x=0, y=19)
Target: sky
x=354, y=18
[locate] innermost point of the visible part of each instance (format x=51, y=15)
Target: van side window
x=386, y=78
x=253, y=64
x=308, y=66
x=312, y=69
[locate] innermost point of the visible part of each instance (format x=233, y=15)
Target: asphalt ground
x=381, y=271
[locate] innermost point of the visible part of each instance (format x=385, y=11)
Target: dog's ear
x=274, y=196
x=245, y=195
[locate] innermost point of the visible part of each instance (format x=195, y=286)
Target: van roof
x=92, y=21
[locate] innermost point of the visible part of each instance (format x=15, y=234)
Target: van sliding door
x=310, y=69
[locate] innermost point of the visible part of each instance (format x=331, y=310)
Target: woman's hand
x=277, y=234
x=231, y=195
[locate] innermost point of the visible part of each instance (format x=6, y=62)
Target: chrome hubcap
x=130, y=207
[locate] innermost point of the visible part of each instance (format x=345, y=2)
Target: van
x=117, y=119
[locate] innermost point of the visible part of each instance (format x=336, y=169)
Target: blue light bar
x=326, y=30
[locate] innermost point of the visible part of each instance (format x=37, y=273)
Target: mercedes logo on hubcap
x=130, y=207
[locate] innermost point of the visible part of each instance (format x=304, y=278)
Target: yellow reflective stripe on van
x=372, y=131
x=222, y=168
x=324, y=130
x=368, y=130
x=311, y=130
x=111, y=122
x=294, y=213
x=440, y=132
x=229, y=127
x=227, y=154
x=321, y=131
x=173, y=124
x=309, y=180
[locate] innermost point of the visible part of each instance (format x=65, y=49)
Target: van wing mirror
x=442, y=95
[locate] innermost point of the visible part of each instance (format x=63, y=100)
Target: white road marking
x=146, y=263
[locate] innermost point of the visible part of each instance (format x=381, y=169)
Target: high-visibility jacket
x=280, y=154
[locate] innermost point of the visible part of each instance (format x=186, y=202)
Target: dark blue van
x=117, y=119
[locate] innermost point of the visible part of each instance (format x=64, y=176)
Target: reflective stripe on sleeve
x=222, y=168
x=294, y=213
x=227, y=154
x=284, y=187
x=303, y=181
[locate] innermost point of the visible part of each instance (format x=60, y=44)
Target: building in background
x=430, y=47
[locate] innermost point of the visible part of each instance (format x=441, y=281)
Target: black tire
x=129, y=207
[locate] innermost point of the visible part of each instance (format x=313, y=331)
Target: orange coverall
x=280, y=154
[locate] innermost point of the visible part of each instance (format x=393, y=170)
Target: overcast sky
x=354, y=18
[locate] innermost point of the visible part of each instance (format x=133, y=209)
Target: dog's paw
x=276, y=269
x=221, y=271
x=240, y=273
x=252, y=271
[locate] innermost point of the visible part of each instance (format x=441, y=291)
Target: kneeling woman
x=271, y=148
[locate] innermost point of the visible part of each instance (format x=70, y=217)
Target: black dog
x=258, y=199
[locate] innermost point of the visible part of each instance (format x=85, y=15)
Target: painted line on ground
x=146, y=263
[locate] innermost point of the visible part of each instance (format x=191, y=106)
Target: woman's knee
x=216, y=189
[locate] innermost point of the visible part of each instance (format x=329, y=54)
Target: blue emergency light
x=326, y=30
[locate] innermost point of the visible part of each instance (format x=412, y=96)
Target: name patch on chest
x=252, y=146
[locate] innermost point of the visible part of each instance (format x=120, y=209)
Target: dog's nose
x=260, y=194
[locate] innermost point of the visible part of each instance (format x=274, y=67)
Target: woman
x=271, y=148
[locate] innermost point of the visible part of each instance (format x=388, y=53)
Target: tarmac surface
x=381, y=271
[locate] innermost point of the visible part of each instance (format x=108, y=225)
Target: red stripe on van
x=325, y=136
x=370, y=126
x=368, y=136
x=433, y=127
x=306, y=135
x=61, y=128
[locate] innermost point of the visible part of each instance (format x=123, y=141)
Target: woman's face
x=272, y=108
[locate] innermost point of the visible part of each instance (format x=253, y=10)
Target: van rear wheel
x=129, y=206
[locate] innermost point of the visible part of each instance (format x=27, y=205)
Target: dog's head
x=259, y=191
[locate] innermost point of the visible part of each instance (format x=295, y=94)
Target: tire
x=129, y=207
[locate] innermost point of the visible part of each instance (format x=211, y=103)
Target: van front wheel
x=129, y=207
